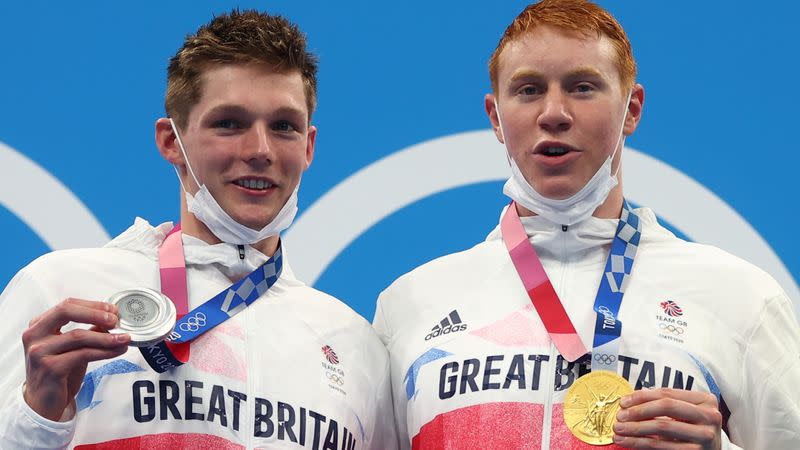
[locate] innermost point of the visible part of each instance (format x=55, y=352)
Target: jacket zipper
x=249, y=428
x=550, y=382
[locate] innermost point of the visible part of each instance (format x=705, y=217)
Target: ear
x=167, y=143
x=491, y=110
x=634, y=110
x=311, y=140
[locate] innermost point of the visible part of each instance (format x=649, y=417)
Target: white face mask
x=225, y=228
x=571, y=210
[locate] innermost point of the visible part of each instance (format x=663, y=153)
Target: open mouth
x=554, y=151
x=254, y=184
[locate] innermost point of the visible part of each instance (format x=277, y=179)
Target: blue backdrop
x=401, y=83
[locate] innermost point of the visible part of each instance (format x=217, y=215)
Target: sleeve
x=768, y=416
x=379, y=323
x=20, y=427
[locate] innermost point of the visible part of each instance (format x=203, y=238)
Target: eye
x=283, y=126
x=227, y=124
x=584, y=88
x=529, y=89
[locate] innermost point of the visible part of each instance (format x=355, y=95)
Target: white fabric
x=568, y=211
x=272, y=353
x=734, y=319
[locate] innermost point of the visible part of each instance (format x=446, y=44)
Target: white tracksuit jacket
x=473, y=367
x=260, y=380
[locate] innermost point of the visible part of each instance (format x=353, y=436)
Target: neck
x=193, y=227
x=611, y=208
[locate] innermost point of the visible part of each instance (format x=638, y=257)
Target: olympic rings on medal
x=194, y=323
x=671, y=328
x=334, y=378
x=605, y=359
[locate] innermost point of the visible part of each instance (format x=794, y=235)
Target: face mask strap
x=500, y=125
x=621, y=138
x=185, y=157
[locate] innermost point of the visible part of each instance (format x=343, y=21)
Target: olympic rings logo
x=194, y=323
x=671, y=328
x=605, y=359
x=334, y=378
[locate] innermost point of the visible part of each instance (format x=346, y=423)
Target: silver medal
x=147, y=315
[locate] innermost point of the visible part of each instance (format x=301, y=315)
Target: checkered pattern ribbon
x=174, y=351
x=229, y=302
x=614, y=283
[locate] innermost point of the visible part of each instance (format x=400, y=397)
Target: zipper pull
x=564, y=228
x=241, y=251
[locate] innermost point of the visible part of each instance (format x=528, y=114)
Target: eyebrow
x=238, y=109
x=576, y=73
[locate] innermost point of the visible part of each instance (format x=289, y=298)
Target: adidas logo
x=450, y=324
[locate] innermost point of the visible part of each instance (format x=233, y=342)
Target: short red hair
x=581, y=16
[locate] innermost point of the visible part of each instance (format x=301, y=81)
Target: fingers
x=668, y=418
x=647, y=395
x=101, y=314
x=58, y=355
x=77, y=339
x=654, y=443
x=56, y=362
x=664, y=429
x=686, y=406
x=46, y=363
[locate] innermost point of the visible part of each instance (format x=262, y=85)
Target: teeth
x=254, y=184
x=555, y=151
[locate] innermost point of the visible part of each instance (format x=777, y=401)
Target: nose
x=257, y=147
x=555, y=117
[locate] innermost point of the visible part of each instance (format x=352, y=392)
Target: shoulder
x=123, y=255
x=61, y=264
x=703, y=264
x=332, y=318
x=440, y=283
x=324, y=305
x=440, y=273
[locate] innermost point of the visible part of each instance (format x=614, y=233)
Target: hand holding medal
x=56, y=362
x=669, y=418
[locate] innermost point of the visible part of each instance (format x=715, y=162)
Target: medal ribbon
x=174, y=350
x=538, y=286
x=616, y=276
x=172, y=269
x=549, y=307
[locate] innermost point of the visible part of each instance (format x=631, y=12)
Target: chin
x=255, y=222
x=556, y=192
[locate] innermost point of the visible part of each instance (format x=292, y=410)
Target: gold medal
x=591, y=406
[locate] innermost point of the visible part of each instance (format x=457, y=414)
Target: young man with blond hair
x=256, y=359
x=581, y=321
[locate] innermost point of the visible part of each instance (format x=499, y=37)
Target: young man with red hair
x=257, y=359
x=524, y=341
